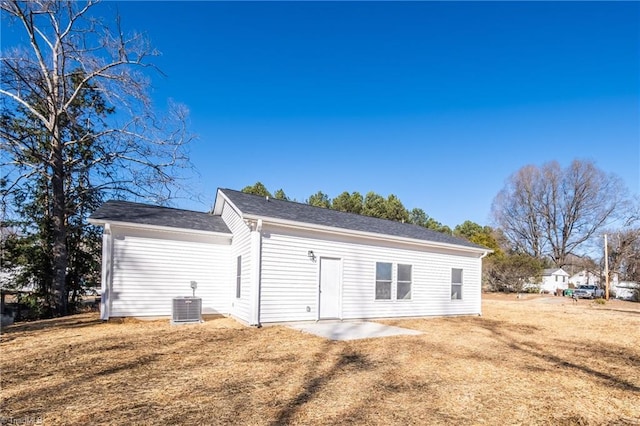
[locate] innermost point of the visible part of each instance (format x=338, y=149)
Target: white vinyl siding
x=240, y=246
x=553, y=279
x=150, y=268
x=289, y=285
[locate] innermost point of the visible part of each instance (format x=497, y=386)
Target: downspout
x=485, y=254
x=256, y=263
x=107, y=268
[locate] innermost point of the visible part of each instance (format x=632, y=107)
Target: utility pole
x=606, y=268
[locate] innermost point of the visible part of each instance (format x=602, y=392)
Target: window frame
x=389, y=281
x=239, y=277
x=393, y=282
x=457, y=284
x=398, y=281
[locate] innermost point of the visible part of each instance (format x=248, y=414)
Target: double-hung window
x=383, y=280
x=403, y=284
x=238, y=277
x=456, y=283
x=393, y=281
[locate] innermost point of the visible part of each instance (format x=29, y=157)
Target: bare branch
x=553, y=212
x=82, y=127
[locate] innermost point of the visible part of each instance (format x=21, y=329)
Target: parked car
x=588, y=292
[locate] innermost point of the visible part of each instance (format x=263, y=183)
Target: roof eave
x=371, y=235
x=218, y=206
x=102, y=222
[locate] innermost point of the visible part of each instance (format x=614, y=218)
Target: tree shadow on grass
x=55, y=393
x=498, y=327
x=69, y=322
x=624, y=311
x=315, y=381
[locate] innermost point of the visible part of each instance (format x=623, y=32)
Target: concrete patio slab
x=352, y=330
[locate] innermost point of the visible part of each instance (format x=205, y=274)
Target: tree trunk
x=59, y=249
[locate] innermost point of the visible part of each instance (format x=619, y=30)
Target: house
x=622, y=289
x=584, y=277
x=627, y=290
x=553, y=279
x=263, y=260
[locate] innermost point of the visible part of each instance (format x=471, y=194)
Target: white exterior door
x=330, y=278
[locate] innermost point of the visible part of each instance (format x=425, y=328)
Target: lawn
x=539, y=360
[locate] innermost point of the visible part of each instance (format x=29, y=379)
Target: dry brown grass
x=532, y=361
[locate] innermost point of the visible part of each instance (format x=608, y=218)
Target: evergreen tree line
x=391, y=208
x=372, y=204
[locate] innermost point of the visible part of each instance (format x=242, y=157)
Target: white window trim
x=410, y=282
x=461, y=284
x=238, y=277
x=375, y=283
x=394, y=283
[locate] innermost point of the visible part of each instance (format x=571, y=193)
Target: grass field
x=534, y=361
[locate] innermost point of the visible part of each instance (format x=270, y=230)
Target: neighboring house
x=6, y=277
x=627, y=290
x=553, y=279
x=10, y=310
x=584, y=277
x=263, y=260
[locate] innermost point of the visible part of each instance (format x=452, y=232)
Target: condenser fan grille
x=186, y=310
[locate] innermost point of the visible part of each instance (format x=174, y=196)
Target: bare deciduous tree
x=516, y=211
x=624, y=246
x=76, y=118
x=552, y=212
x=624, y=254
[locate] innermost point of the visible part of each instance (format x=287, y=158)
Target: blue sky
x=435, y=102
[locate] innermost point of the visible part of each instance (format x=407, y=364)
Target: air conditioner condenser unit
x=186, y=310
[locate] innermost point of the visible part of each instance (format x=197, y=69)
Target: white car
x=588, y=292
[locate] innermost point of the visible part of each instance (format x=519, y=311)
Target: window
x=239, y=277
x=383, y=281
x=403, y=290
x=456, y=283
x=388, y=288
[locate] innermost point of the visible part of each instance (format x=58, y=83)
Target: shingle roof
x=551, y=271
x=125, y=211
x=256, y=205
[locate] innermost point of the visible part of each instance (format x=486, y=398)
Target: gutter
x=102, y=222
x=370, y=235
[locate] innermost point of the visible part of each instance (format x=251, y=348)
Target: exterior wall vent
x=186, y=310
